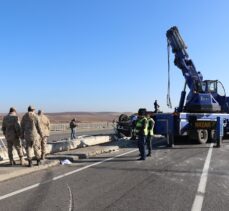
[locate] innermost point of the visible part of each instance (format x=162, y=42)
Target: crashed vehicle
x=125, y=125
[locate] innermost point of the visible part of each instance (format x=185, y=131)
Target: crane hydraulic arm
x=182, y=61
x=199, y=99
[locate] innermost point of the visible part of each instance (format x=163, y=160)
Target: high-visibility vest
x=139, y=124
x=150, y=130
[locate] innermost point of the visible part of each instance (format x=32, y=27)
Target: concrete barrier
x=63, y=145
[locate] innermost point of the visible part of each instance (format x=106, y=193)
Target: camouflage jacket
x=11, y=127
x=30, y=127
x=45, y=124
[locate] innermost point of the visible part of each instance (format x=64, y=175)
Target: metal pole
x=219, y=132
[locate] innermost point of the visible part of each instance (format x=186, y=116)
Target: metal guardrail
x=3, y=147
x=57, y=128
x=4, y=150
x=65, y=126
x=96, y=125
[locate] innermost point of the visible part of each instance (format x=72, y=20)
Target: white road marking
x=61, y=176
x=70, y=208
x=198, y=201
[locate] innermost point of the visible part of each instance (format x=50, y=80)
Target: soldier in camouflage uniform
x=11, y=130
x=45, y=126
x=31, y=132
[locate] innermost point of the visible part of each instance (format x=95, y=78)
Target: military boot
x=12, y=162
x=43, y=157
x=22, y=161
x=38, y=162
x=30, y=163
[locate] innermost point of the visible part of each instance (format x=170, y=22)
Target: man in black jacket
x=73, y=125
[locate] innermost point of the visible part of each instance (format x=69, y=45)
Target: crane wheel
x=202, y=136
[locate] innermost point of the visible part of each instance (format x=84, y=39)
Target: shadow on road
x=39, y=194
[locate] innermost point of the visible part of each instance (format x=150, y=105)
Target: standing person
x=73, y=125
x=45, y=126
x=31, y=132
x=156, y=107
x=133, y=125
x=12, y=130
x=141, y=131
x=149, y=136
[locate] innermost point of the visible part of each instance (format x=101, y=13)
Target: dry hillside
x=65, y=117
x=84, y=116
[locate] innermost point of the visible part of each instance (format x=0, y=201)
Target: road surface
x=187, y=177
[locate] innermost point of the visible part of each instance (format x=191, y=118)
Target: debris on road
x=65, y=162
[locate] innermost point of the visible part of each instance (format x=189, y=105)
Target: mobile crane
x=205, y=102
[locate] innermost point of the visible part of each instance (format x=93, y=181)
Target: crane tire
x=202, y=136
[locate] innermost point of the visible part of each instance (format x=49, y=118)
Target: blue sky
x=105, y=55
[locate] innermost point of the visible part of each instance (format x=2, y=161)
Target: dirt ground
x=84, y=116
x=65, y=117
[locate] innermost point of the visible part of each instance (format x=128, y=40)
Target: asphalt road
x=169, y=180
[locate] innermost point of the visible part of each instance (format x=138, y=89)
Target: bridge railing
x=56, y=128
x=83, y=126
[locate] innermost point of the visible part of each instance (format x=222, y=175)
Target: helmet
x=142, y=111
x=31, y=108
x=40, y=112
x=12, y=109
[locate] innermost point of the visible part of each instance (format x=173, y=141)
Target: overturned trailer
x=124, y=126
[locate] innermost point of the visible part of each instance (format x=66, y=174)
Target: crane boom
x=200, y=97
x=182, y=61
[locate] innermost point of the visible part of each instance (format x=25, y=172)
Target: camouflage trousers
x=16, y=143
x=43, y=145
x=33, y=146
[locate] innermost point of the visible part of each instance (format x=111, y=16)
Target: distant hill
x=65, y=117
x=85, y=116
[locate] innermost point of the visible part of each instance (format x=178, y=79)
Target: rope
x=169, y=104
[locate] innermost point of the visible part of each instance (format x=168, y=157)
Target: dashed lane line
x=199, y=198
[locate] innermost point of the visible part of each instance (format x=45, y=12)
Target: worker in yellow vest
x=150, y=126
x=141, y=132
